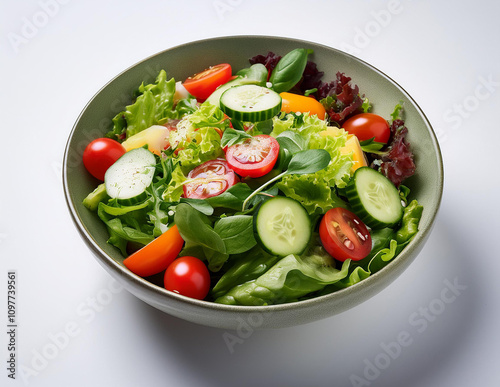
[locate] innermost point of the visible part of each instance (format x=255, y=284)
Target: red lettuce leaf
x=340, y=99
x=397, y=163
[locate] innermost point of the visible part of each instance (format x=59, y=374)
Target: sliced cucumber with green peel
x=250, y=103
x=127, y=179
x=374, y=198
x=282, y=226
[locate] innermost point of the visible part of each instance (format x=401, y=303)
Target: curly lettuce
x=174, y=190
x=154, y=104
x=204, y=146
x=314, y=191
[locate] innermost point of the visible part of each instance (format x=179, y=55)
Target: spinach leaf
x=232, y=198
x=256, y=72
x=236, y=232
x=308, y=161
x=246, y=267
x=195, y=228
x=199, y=204
x=291, y=141
x=289, y=70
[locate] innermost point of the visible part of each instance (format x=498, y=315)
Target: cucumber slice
x=282, y=226
x=250, y=103
x=374, y=198
x=127, y=179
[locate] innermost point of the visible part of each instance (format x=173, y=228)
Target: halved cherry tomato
x=209, y=179
x=299, y=103
x=368, y=125
x=254, y=157
x=157, y=255
x=101, y=154
x=201, y=85
x=188, y=276
x=344, y=235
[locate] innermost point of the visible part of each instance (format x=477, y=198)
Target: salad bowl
x=180, y=62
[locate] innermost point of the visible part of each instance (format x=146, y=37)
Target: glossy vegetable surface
x=188, y=276
x=301, y=104
x=344, y=235
x=100, y=154
x=209, y=179
x=254, y=157
x=202, y=84
x=368, y=125
x=157, y=255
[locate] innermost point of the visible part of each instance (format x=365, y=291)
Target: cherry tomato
x=157, y=255
x=203, y=84
x=344, y=235
x=368, y=125
x=101, y=154
x=209, y=179
x=188, y=276
x=254, y=157
x=298, y=103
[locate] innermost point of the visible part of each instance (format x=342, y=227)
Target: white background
x=442, y=53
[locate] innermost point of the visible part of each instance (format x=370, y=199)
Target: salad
x=262, y=186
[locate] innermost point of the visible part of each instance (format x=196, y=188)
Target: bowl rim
x=156, y=290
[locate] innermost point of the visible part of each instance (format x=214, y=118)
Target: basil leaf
x=231, y=137
x=236, y=232
x=289, y=70
x=308, y=161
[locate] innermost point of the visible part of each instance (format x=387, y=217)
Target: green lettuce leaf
x=129, y=226
x=206, y=145
x=153, y=104
x=174, y=190
x=196, y=229
x=314, y=191
x=290, y=279
x=209, y=115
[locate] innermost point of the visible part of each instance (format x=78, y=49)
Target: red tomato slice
x=254, y=157
x=203, y=84
x=101, y=154
x=209, y=179
x=368, y=125
x=157, y=255
x=344, y=235
x=188, y=276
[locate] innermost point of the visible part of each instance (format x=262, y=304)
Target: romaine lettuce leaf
x=290, y=279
